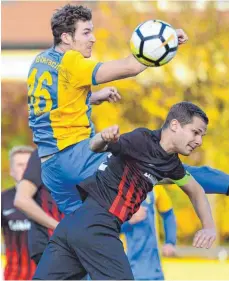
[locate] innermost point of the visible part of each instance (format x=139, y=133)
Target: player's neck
x=166, y=142
x=61, y=48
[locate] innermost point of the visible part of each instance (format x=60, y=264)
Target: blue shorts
x=86, y=241
x=65, y=169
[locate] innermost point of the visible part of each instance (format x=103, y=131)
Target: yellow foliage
x=187, y=222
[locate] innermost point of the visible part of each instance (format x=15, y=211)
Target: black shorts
x=86, y=241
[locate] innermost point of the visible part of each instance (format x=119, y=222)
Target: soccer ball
x=154, y=43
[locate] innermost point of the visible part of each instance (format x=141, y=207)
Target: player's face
x=190, y=136
x=83, y=39
x=18, y=165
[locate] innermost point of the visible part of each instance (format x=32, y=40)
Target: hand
x=111, y=134
x=139, y=216
x=204, y=238
x=182, y=36
x=168, y=250
x=109, y=94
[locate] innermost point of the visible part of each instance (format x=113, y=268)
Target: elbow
x=18, y=202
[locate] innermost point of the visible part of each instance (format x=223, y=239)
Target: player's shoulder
x=145, y=133
x=43, y=53
x=72, y=54
x=142, y=131
x=40, y=57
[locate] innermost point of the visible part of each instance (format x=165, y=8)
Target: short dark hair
x=64, y=19
x=184, y=113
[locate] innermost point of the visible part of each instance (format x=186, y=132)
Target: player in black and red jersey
x=87, y=241
x=33, y=198
x=15, y=225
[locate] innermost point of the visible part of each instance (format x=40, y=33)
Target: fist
x=168, y=250
x=204, y=238
x=111, y=134
x=182, y=36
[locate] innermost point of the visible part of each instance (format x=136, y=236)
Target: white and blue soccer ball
x=154, y=43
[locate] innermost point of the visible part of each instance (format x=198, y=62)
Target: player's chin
x=185, y=152
x=88, y=54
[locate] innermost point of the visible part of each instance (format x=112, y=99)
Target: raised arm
x=101, y=140
x=127, y=67
x=205, y=237
x=119, y=69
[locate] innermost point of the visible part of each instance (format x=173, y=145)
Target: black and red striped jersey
x=15, y=227
x=137, y=163
x=39, y=235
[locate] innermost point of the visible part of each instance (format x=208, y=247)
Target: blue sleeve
x=213, y=181
x=170, y=227
x=94, y=82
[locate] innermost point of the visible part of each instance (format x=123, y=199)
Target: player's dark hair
x=64, y=19
x=184, y=113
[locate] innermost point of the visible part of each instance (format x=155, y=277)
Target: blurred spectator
x=36, y=202
x=141, y=238
x=15, y=225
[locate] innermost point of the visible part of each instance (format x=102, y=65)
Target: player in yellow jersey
x=59, y=90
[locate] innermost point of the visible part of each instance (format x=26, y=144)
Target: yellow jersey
x=59, y=88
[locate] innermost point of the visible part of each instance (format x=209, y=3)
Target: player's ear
x=174, y=124
x=66, y=38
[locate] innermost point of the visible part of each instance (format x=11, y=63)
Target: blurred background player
x=140, y=235
x=15, y=225
x=36, y=202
